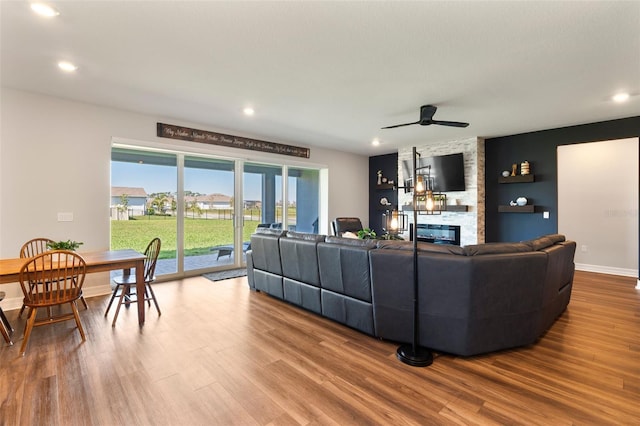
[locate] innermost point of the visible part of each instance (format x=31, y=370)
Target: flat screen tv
x=447, y=171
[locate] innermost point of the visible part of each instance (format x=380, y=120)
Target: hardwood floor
x=220, y=354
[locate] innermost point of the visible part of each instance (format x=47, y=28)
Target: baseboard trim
x=607, y=270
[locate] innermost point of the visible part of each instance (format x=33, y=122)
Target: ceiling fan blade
x=449, y=123
x=400, y=125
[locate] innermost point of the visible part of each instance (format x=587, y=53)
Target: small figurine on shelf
x=524, y=168
x=379, y=177
x=514, y=167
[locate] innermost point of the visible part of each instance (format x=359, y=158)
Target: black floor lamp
x=412, y=354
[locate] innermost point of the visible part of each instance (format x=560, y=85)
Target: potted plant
x=64, y=245
x=367, y=234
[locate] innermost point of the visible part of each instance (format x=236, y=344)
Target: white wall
x=55, y=157
x=598, y=204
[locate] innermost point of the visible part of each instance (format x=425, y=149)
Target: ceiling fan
x=426, y=118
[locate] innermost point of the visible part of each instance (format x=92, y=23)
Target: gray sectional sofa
x=472, y=300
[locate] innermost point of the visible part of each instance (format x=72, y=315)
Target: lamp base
x=421, y=357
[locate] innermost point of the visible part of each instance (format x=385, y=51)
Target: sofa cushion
x=300, y=259
x=305, y=236
x=545, y=241
x=556, y=238
x=496, y=248
x=422, y=247
x=269, y=231
x=345, y=269
x=539, y=243
x=350, y=242
x=266, y=252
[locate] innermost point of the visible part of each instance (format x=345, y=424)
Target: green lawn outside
x=200, y=234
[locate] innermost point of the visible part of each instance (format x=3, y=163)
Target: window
x=197, y=207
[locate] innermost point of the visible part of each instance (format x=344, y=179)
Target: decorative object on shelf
x=505, y=173
x=64, y=245
x=513, y=203
x=412, y=354
x=384, y=179
x=391, y=182
x=524, y=168
x=521, y=201
x=379, y=177
x=514, y=168
x=384, y=201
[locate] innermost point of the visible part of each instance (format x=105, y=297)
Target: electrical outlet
x=545, y=215
x=584, y=248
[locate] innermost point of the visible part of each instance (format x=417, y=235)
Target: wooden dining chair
x=126, y=284
x=64, y=271
x=5, y=325
x=33, y=248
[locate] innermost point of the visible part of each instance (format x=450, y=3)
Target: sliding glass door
x=266, y=207
x=262, y=197
x=209, y=213
x=143, y=204
x=202, y=210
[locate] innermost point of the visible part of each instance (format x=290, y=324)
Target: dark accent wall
x=389, y=165
x=539, y=148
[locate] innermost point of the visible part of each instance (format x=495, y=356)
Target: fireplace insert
x=437, y=234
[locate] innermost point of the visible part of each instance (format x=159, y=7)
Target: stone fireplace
x=437, y=234
x=467, y=207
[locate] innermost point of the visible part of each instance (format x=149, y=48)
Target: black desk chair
x=346, y=224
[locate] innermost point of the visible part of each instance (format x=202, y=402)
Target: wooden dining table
x=98, y=261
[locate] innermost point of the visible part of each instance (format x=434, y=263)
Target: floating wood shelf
x=457, y=208
x=385, y=186
x=450, y=208
x=516, y=179
x=516, y=209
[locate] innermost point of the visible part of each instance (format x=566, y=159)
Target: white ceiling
x=331, y=74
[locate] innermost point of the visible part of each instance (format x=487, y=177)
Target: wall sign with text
x=187, y=134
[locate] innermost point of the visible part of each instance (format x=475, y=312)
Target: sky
x=154, y=178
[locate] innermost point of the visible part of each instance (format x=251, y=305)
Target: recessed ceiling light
x=248, y=111
x=375, y=142
x=620, y=97
x=67, y=66
x=44, y=10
